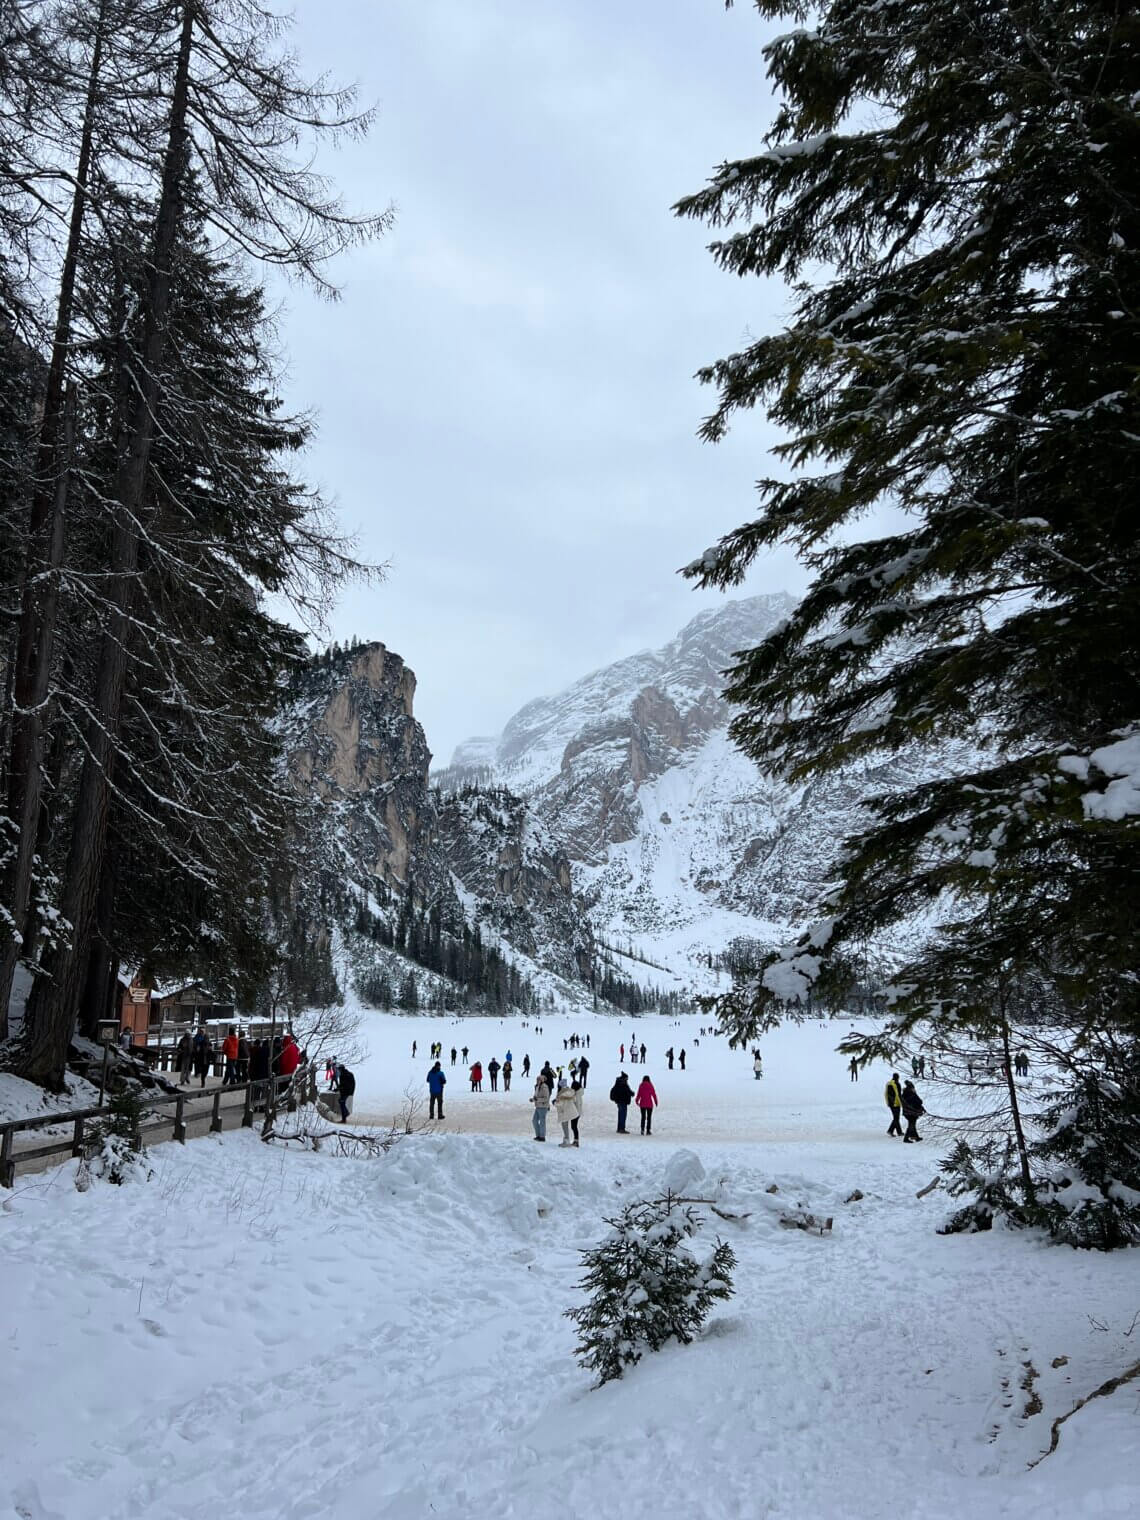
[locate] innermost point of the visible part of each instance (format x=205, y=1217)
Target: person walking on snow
x=526, y=1066
x=453, y=1055
x=184, y=1058
x=893, y=1095
x=413, y=1050
x=583, y=1071
x=508, y=1070
x=463, y=1053
x=853, y=1068
x=494, y=1069
x=912, y=1111
x=646, y=1102
x=757, y=1066
x=681, y=1059
x=230, y=1052
x=436, y=1081
x=621, y=1093
x=345, y=1087
x=541, y=1101
x=477, y=1077
x=669, y=1057
x=621, y=1052
x=642, y=1053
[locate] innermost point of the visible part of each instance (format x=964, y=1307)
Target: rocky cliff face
x=355, y=749
x=380, y=835
x=515, y=877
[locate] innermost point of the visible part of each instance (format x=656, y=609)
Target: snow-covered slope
x=679, y=845
x=286, y=1335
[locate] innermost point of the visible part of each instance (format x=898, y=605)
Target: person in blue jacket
x=436, y=1082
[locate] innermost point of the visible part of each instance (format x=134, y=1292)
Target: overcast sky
x=506, y=407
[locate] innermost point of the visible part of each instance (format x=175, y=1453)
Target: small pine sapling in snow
x=646, y=1287
x=113, y=1150
x=987, y=1175
x=1090, y=1161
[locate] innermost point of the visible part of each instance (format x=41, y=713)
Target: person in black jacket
x=621, y=1093
x=583, y=1071
x=912, y=1110
x=345, y=1086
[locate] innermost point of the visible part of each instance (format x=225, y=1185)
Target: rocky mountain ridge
x=679, y=844
x=384, y=851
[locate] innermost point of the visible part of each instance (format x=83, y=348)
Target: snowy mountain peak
x=677, y=688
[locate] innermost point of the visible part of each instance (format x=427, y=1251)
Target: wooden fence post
x=77, y=1139
x=247, y=1111
x=216, y=1117
x=180, y=1118
x=7, y=1165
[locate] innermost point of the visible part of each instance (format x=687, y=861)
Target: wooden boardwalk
x=192, y=1111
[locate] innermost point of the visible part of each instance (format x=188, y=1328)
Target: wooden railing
x=78, y=1118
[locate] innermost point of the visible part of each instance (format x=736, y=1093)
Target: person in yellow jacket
x=893, y=1095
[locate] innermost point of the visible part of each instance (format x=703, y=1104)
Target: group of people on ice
x=645, y=1100
x=903, y=1099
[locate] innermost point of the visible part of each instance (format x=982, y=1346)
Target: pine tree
x=955, y=192
x=646, y=1287
x=1089, y=1159
x=216, y=113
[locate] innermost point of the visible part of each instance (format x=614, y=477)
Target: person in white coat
x=757, y=1066
x=569, y=1106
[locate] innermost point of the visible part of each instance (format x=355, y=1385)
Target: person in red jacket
x=288, y=1061
x=646, y=1101
x=230, y=1051
x=477, y=1077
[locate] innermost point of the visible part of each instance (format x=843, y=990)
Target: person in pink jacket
x=646, y=1101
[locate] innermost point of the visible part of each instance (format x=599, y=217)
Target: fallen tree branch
x=929, y=1188
x=1098, y=1393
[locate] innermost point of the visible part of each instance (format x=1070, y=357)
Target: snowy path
x=280, y=1335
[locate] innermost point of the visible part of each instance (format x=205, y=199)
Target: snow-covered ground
x=280, y=1335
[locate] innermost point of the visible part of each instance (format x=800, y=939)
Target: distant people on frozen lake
x=477, y=1077
x=621, y=1093
x=647, y=1102
x=912, y=1111
x=642, y=1053
x=508, y=1069
x=681, y=1059
x=541, y=1101
x=453, y=1055
x=1020, y=1064
x=413, y=1050
x=463, y=1053
x=583, y=1070
x=757, y=1065
x=893, y=1095
x=436, y=1081
x=493, y=1070
x=853, y=1068
x=526, y=1066
x=669, y=1057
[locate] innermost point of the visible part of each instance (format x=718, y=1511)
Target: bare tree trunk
x=1015, y=1111
x=39, y=589
x=44, y=1052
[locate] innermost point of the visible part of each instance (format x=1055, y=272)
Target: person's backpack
x=614, y=1096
